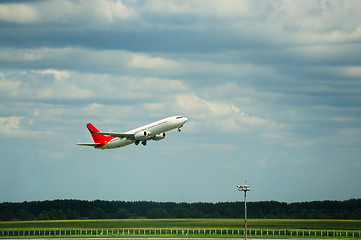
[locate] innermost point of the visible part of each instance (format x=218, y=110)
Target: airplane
x=153, y=131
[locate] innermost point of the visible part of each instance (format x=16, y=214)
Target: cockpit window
x=178, y=117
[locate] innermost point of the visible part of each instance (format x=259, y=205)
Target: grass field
x=187, y=223
x=283, y=228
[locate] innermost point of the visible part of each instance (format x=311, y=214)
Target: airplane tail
x=98, y=138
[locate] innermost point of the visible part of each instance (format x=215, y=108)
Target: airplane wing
x=89, y=144
x=129, y=136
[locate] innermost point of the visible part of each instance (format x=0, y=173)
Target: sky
x=271, y=90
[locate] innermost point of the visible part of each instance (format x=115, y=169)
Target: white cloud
x=60, y=11
x=13, y=55
x=62, y=88
x=144, y=61
x=51, y=84
x=321, y=16
x=216, y=147
x=209, y=8
x=226, y=117
x=108, y=61
x=113, y=10
x=91, y=13
x=18, y=13
x=43, y=84
x=12, y=127
x=290, y=22
x=313, y=22
x=154, y=107
x=94, y=107
x=200, y=108
x=159, y=85
x=9, y=87
x=59, y=75
x=243, y=122
x=351, y=71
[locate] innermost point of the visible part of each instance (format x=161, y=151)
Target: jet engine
x=142, y=135
x=159, y=136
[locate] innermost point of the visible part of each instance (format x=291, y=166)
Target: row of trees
x=98, y=209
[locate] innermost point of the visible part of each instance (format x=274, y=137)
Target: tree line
x=99, y=209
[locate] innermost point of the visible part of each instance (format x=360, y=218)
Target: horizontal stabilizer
x=89, y=144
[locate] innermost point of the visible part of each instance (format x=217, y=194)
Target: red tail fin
x=98, y=138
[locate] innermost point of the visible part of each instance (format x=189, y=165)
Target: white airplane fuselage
x=153, y=131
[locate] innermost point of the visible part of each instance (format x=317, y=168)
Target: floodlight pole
x=245, y=215
x=244, y=188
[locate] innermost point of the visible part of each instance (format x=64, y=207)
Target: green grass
x=186, y=223
x=175, y=227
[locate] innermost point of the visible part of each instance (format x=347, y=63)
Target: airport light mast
x=244, y=188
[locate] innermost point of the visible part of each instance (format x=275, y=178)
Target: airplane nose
x=185, y=119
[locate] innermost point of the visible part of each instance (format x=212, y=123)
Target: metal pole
x=244, y=188
x=245, y=215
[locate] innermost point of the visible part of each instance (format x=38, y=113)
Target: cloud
x=216, y=147
x=17, y=55
x=200, y=108
x=156, y=85
x=114, y=10
x=94, y=60
x=227, y=118
x=8, y=87
x=143, y=61
x=59, y=75
x=67, y=12
x=200, y=25
x=275, y=82
x=154, y=107
x=352, y=71
x=13, y=127
x=282, y=22
x=151, y=94
x=208, y=8
x=314, y=22
x=242, y=122
x=10, y=125
x=45, y=84
x=50, y=84
x=18, y=13
x=50, y=95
